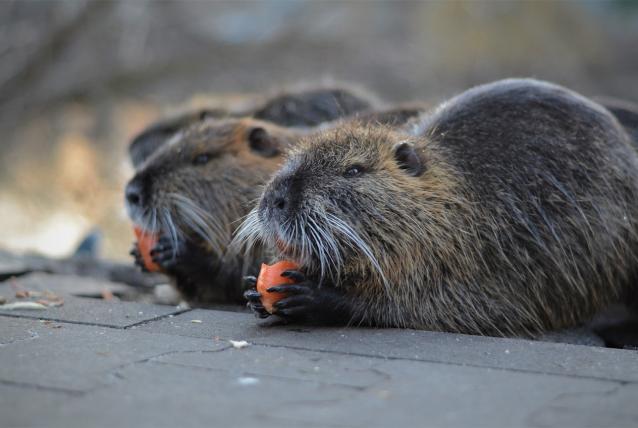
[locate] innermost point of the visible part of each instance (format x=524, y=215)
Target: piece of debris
x=23, y=305
x=3, y=300
x=238, y=344
x=247, y=381
x=107, y=294
x=21, y=294
x=196, y=321
x=52, y=303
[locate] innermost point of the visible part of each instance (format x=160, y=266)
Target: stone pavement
x=108, y=363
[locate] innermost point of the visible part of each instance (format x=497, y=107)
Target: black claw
x=253, y=296
x=293, y=289
x=250, y=280
x=295, y=275
x=294, y=301
x=258, y=309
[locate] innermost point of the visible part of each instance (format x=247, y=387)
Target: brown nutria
x=304, y=107
x=512, y=210
x=195, y=190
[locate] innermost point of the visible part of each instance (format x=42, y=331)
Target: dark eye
x=202, y=159
x=354, y=171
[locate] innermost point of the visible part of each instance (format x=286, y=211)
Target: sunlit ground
x=52, y=194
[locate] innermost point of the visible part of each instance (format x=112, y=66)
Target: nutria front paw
x=166, y=253
x=307, y=302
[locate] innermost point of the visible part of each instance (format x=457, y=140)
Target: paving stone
x=97, y=312
x=29, y=407
x=214, y=323
x=80, y=358
x=174, y=372
x=576, y=336
x=613, y=407
x=513, y=354
x=262, y=361
x=17, y=329
x=224, y=389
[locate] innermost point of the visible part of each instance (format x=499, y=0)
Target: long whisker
x=354, y=238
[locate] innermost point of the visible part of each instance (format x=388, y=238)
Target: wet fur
x=524, y=220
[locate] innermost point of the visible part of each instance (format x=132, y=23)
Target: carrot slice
x=145, y=243
x=269, y=276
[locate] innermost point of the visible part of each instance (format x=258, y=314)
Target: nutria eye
x=202, y=159
x=354, y=171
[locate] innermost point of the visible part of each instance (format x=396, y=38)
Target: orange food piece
x=145, y=243
x=269, y=276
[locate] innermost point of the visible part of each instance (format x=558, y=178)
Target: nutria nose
x=134, y=193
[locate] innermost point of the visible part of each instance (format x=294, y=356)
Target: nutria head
x=200, y=183
x=360, y=201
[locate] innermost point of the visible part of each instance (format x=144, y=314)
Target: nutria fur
x=304, y=107
x=156, y=134
x=315, y=106
x=196, y=190
x=512, y=210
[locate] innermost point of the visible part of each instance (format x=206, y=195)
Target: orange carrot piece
x=145, y=243
x=269, y=276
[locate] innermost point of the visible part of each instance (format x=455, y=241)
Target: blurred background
x=79, y=78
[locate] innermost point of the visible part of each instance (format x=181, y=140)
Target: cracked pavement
x=99, y=363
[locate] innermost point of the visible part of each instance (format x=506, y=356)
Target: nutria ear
x=262, y=143
x=408, y=159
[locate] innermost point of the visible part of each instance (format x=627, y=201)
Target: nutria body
x=511, y=210
x=196, y=189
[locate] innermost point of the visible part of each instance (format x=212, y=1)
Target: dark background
x=78, y=79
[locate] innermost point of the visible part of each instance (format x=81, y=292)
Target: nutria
x=303, y=107
x=196, y=189
x=193, y=190
x=511, y=210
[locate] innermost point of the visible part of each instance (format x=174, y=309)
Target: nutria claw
x=295, y=275
x=293, y=289
x=254, y=303
x=250, y=281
